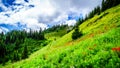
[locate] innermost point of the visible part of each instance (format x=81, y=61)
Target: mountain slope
x=93, y=49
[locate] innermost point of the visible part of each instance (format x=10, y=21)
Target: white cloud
x=0, y=30
x=34, y=24
x=70, y=22
x=45, y=12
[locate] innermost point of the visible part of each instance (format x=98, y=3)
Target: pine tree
x=17, y=43
x=103, y=5
x=98, y=10
x=76, y=34
x=2, y=52
x=15, y=56
x=80, y=21
x=41, y=34
x=25, y=52
x=86, y=17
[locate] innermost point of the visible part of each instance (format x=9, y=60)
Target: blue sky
x=35, y=14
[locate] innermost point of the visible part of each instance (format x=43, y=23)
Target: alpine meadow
x=92, y=42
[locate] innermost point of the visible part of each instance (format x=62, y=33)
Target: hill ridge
x=93, y=49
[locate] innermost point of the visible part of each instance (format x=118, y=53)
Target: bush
x=76, y=34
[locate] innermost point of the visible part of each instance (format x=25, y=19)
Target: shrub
x=76, y=34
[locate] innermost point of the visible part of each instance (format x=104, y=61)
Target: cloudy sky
x=26, y=14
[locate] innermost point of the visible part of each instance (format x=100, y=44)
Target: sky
x=36, y=14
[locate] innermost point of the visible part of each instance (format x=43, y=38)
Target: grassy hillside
x=53, y=35
x=92, y=50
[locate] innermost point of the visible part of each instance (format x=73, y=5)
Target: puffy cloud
x=78, y=6
x=34, y=24
x=70, y=22
x=40, y=13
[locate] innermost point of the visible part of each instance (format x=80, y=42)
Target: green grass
x=56, y=34
x=92, y=50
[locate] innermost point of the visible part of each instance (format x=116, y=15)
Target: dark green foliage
x=37, y=35
x=80, y=21
x=76, y=34
x=16, y=56
x=2, y=51
x=13, y=45
x=106, y=4
x=96, y=10
x=25, y=53
x=103, y=5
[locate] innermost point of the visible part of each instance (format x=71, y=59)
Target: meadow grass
x=92, y=50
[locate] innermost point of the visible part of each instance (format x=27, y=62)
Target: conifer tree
x=15, y=56
x=103, y=5
x=98, y=10
x=76, y=34
x=25, y=52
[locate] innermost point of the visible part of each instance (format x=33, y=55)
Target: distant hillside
x=57, y=31
x=97, y=48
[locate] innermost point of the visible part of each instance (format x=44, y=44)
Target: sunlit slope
x=93, y=49
x=55, y=34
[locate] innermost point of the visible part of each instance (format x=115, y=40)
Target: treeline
x=17, y=37
x=106, y=4
x=15, y=45
x=56, y=28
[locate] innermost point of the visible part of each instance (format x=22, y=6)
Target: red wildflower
x=116, y=49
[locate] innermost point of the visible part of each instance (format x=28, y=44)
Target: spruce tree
x=15, y=56
x=25, y=52
x=98, y=10
x=103, y=5
x=76, y=34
